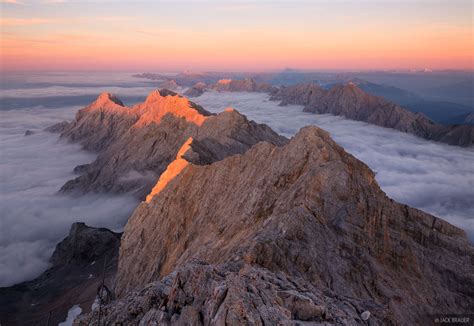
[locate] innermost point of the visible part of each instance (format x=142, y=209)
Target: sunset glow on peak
x=250, y=35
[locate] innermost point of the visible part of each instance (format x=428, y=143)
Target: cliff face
x=307, y=210
x=353, y=103
x=136, y=144
x=77, y=266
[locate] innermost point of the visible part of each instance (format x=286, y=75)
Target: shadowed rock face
x=353, y=103
x=136, y=144
x=76, y=272
x=308, y=210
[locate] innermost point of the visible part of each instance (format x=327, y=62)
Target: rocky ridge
x=353, y=103
x=294, y=233
x=136, y=144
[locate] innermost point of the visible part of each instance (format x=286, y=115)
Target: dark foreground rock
x=76, y=271
x=285, y=234
x=353, y=103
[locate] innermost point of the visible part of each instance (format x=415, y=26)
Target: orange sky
x=46, y=35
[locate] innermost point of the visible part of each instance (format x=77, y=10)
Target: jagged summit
x=162, y=102
x=106, y=100
x=160, y=93
x=143, y=140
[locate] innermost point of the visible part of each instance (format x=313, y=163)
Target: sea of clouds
x=33, y=216
x=434, y=177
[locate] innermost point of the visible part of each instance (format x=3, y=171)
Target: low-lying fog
x=434, y=177
x=33, y=216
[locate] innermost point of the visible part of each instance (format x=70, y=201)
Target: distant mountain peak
x=107, y=100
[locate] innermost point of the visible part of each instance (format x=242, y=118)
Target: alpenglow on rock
x=286, y=234
x=353, y=103
x=136, y=144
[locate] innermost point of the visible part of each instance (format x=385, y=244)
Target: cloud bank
x=433, y=177
x=34, y=217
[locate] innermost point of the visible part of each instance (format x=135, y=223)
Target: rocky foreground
x=241, y=226
x=300, y=232
x=353, y=103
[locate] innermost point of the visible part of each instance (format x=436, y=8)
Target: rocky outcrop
x=76, y=271
x=353, y=103
x=232, y=294
x=196, y=90
x=289, y=233
x=136, y=144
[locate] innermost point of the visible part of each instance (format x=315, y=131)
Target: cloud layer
x=434, y=177
x=34, y=217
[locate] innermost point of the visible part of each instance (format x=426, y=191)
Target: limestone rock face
x=353, y=103
x=308, y=210
x=77, y=266
x=136, y=144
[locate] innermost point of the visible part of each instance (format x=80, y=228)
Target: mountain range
x=353, y=103
x=137, y=143
x=239, y=225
